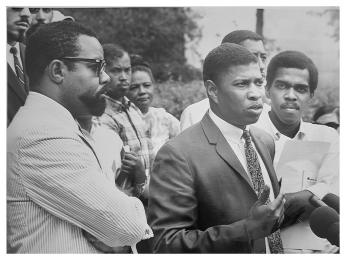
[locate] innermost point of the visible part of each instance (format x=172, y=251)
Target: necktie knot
x=247, y=137
x=14, y=50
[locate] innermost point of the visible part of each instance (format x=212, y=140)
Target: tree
x=158, y=34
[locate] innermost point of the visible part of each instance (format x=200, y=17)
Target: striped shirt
x=56, y=188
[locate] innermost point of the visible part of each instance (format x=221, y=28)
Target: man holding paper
x=306, y=155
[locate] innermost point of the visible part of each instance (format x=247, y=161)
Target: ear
x=57, y=71
x=211, y=89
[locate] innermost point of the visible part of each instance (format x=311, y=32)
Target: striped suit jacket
x=56, y=188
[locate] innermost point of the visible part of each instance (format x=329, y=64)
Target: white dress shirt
x=193, y=113
x=56, y=188
x=323, y=181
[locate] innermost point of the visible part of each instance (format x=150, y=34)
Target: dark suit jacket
x=200, y=194
x=16, y=95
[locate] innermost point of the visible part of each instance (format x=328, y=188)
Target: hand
x=132, y=165
x=263, y=218
x=298, y=205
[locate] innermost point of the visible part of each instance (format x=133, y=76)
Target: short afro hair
x=113, y=51
x=224, y=56
x=295, y=60
x=52, y=41
x=138, y=63
x=239, y=36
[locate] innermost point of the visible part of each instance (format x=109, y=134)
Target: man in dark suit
x=18, y=21
x=213, y=188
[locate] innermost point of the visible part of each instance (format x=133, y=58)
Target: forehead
x=248, y=71
x=123, y=61
x=253, y=46
x=141, y=76
x=292, y=75
x=89, y=47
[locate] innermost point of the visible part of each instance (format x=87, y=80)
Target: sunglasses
x=101, y=64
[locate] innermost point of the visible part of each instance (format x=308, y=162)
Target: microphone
x=324, y=222
x=332, y=201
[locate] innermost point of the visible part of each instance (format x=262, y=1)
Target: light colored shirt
x=124, y=118
x=325, y=179
x=233, y=136
x=161, y=126
x=193, y=113
x=56, y=188
x=108, y=145
x=9, y=56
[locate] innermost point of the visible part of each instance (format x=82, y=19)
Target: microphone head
x=333, y=234
x=332, y=201
x=321, y=219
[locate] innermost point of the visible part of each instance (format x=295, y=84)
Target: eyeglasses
x=101, y=64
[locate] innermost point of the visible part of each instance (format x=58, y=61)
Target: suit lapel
x=85, y=136
x=263, y=152
x=223, y=149
x=14, y=84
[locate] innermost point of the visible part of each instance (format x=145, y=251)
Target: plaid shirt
x=125, y=119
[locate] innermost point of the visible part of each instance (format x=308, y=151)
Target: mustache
x=290, y=105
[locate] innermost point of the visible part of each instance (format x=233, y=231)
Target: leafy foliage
x=175, y=96
x=158, y=34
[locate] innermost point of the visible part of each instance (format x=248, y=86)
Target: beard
x=95, y=104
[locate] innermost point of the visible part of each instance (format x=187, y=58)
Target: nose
x=40, y=16
x=141, y=90
x=124, y=76
x=254, y=92
x=104, y=79
x=290, y=94
x=25, y=12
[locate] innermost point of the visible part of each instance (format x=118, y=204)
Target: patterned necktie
x=18, y=67
x=254, y=168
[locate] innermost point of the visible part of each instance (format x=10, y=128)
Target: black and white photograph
x=172, y=128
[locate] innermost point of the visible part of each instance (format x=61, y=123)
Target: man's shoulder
x=191, y=136
x=316, y=132
x=38, y=124
x=198, y=106
x=261, y=134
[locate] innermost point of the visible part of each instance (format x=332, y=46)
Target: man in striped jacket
x=55, y=184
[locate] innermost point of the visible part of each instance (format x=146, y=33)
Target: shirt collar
x=56, y=110
x=16, y=46
x=118, y=106
x=228, y=130
x=277, y=135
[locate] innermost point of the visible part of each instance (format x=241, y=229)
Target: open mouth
x=256, y=107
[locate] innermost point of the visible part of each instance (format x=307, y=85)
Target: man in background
x=18, y=21
x=123, y=118
x=248, y=39
x=292, y=79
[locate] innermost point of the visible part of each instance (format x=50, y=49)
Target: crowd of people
x=92, y=167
